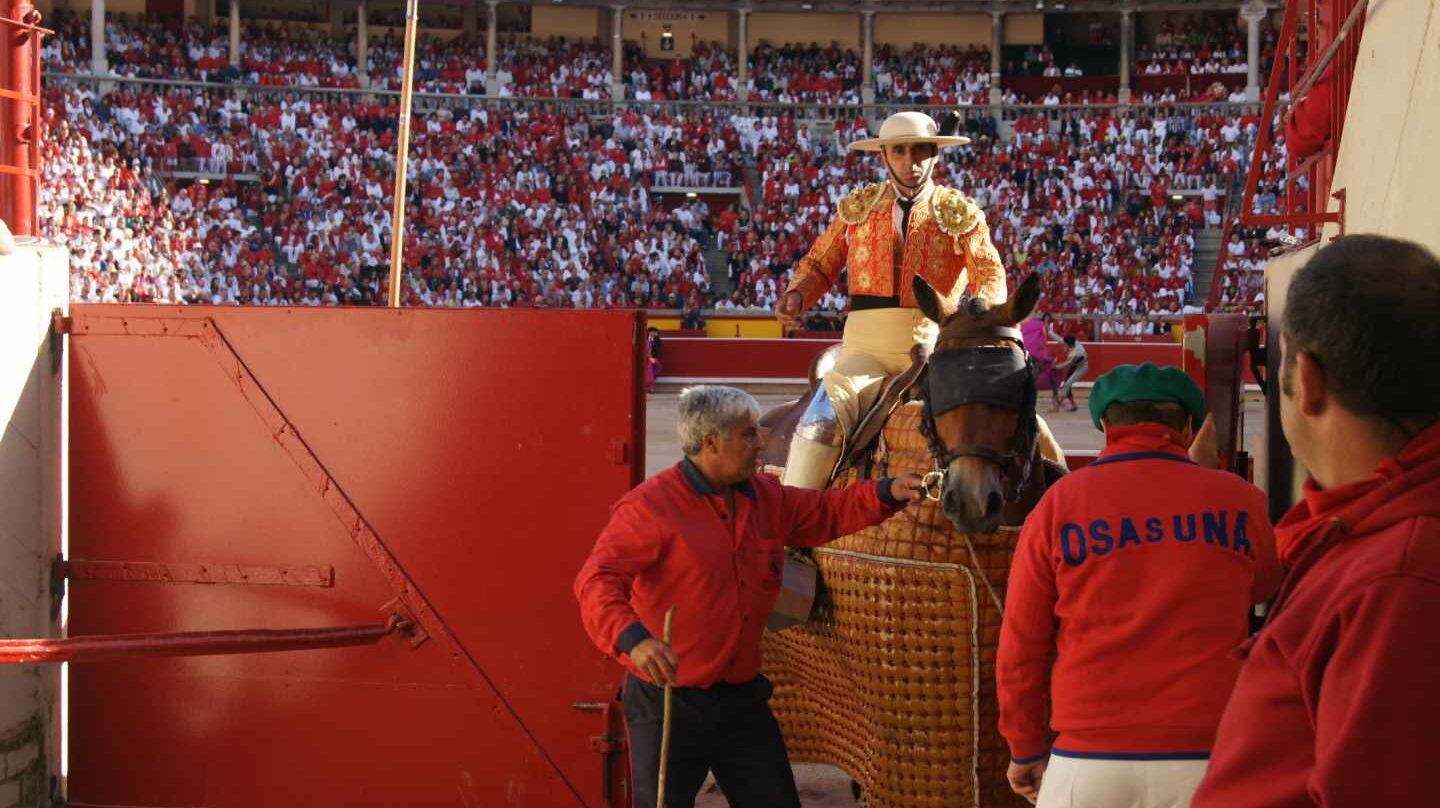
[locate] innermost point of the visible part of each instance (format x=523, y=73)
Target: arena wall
x=690, y=359
x=816, y=27
x=689, y=27
x=959, y=30
x=571, y=23
x=1387, y=164
x=32, y=283
x=1024, y=29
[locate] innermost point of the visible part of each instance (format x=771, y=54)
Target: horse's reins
x=1016, y=463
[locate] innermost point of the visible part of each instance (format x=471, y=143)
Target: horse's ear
x=931, y=303
x=1026, y=296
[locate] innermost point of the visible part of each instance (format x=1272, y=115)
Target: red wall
x=790, y=358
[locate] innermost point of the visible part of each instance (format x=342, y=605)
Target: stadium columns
x=867, y=33
x=617, y=52
x=997, y=42
x=492, y=49
x=1127, y=45
x=234, y=33
x=362, y=43
x=337, y=19
x=1254, y=13
x=742, y=92
x=99, y=65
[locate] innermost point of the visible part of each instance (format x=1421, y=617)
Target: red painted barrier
x=789, y=359
x=230, y=470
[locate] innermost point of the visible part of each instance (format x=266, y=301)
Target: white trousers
x=1091, y=783
x=876, y=344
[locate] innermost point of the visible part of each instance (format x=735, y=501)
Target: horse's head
x=980, y=405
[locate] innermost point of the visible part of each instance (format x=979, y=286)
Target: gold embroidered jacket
x=947, y=244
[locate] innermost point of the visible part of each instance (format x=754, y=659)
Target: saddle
x=799, y=579
x=896, y=390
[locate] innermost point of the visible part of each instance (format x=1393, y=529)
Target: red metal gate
x=282, y=468
x=1214, y=352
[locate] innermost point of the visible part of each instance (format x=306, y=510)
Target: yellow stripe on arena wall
x=752, y=327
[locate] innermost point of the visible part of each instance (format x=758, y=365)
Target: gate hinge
x=57, y=585
x=604, y=744
x=59, y=327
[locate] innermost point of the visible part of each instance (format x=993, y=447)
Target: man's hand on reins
x=788, y=312
x=907, y=487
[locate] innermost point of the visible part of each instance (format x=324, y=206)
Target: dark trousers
x=727, y=729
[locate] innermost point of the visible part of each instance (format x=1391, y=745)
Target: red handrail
x=191, y=643
x=1327, y=48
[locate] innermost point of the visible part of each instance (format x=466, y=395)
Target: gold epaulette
x=956, y=214
x=857, y=204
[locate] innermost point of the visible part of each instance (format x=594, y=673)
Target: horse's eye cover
x=996, y=375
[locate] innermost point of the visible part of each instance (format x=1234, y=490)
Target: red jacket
x=672, y=542
x=1130, y=587
x=1337, y=704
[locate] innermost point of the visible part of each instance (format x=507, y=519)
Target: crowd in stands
x=929, y=75
x=305, y=55
x=568, y=221
x=1240, y=279
x=1201, y=46
x=708, y=75
x=300, y=205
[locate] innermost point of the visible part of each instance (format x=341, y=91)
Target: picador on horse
x=887, y=235
x=886, y=668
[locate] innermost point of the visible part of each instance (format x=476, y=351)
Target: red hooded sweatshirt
x=1337, y=702
x=1130, y=588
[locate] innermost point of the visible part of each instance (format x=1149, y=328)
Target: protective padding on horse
x=893, y=678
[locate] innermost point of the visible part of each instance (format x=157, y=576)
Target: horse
x=892, y=677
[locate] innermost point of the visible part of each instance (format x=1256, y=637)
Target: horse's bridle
x=1016, y=463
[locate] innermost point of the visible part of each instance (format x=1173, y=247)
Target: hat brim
x=875, y=144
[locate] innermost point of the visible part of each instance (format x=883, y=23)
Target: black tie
x=905, y=205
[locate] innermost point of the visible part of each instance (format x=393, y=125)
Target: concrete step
x=1207, y=253
x=719, y=272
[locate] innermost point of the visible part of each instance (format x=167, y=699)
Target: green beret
x=1146, y=382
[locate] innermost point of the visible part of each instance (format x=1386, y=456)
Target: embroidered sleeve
x=820, y=267
x=982, y=262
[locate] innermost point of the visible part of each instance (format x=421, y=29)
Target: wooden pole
x=665, y=725
x=402, y=156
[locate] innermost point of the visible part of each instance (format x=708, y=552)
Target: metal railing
x=1296, y=74
x=429, y=101
x=20, y=114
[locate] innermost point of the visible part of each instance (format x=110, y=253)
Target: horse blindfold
x=1000, y=376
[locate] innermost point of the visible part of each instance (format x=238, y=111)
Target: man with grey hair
x=707, y=537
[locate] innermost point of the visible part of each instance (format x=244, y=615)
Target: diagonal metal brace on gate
x=410, y=603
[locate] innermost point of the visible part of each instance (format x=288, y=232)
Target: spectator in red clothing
x=1307, y=129
x=708, y=538
x=1130, y=587
x=1336, y=702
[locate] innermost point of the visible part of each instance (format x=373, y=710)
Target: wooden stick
x=402, y=156
x=665, y=725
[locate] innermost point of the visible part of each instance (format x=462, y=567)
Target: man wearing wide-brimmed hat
x=886, y=233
